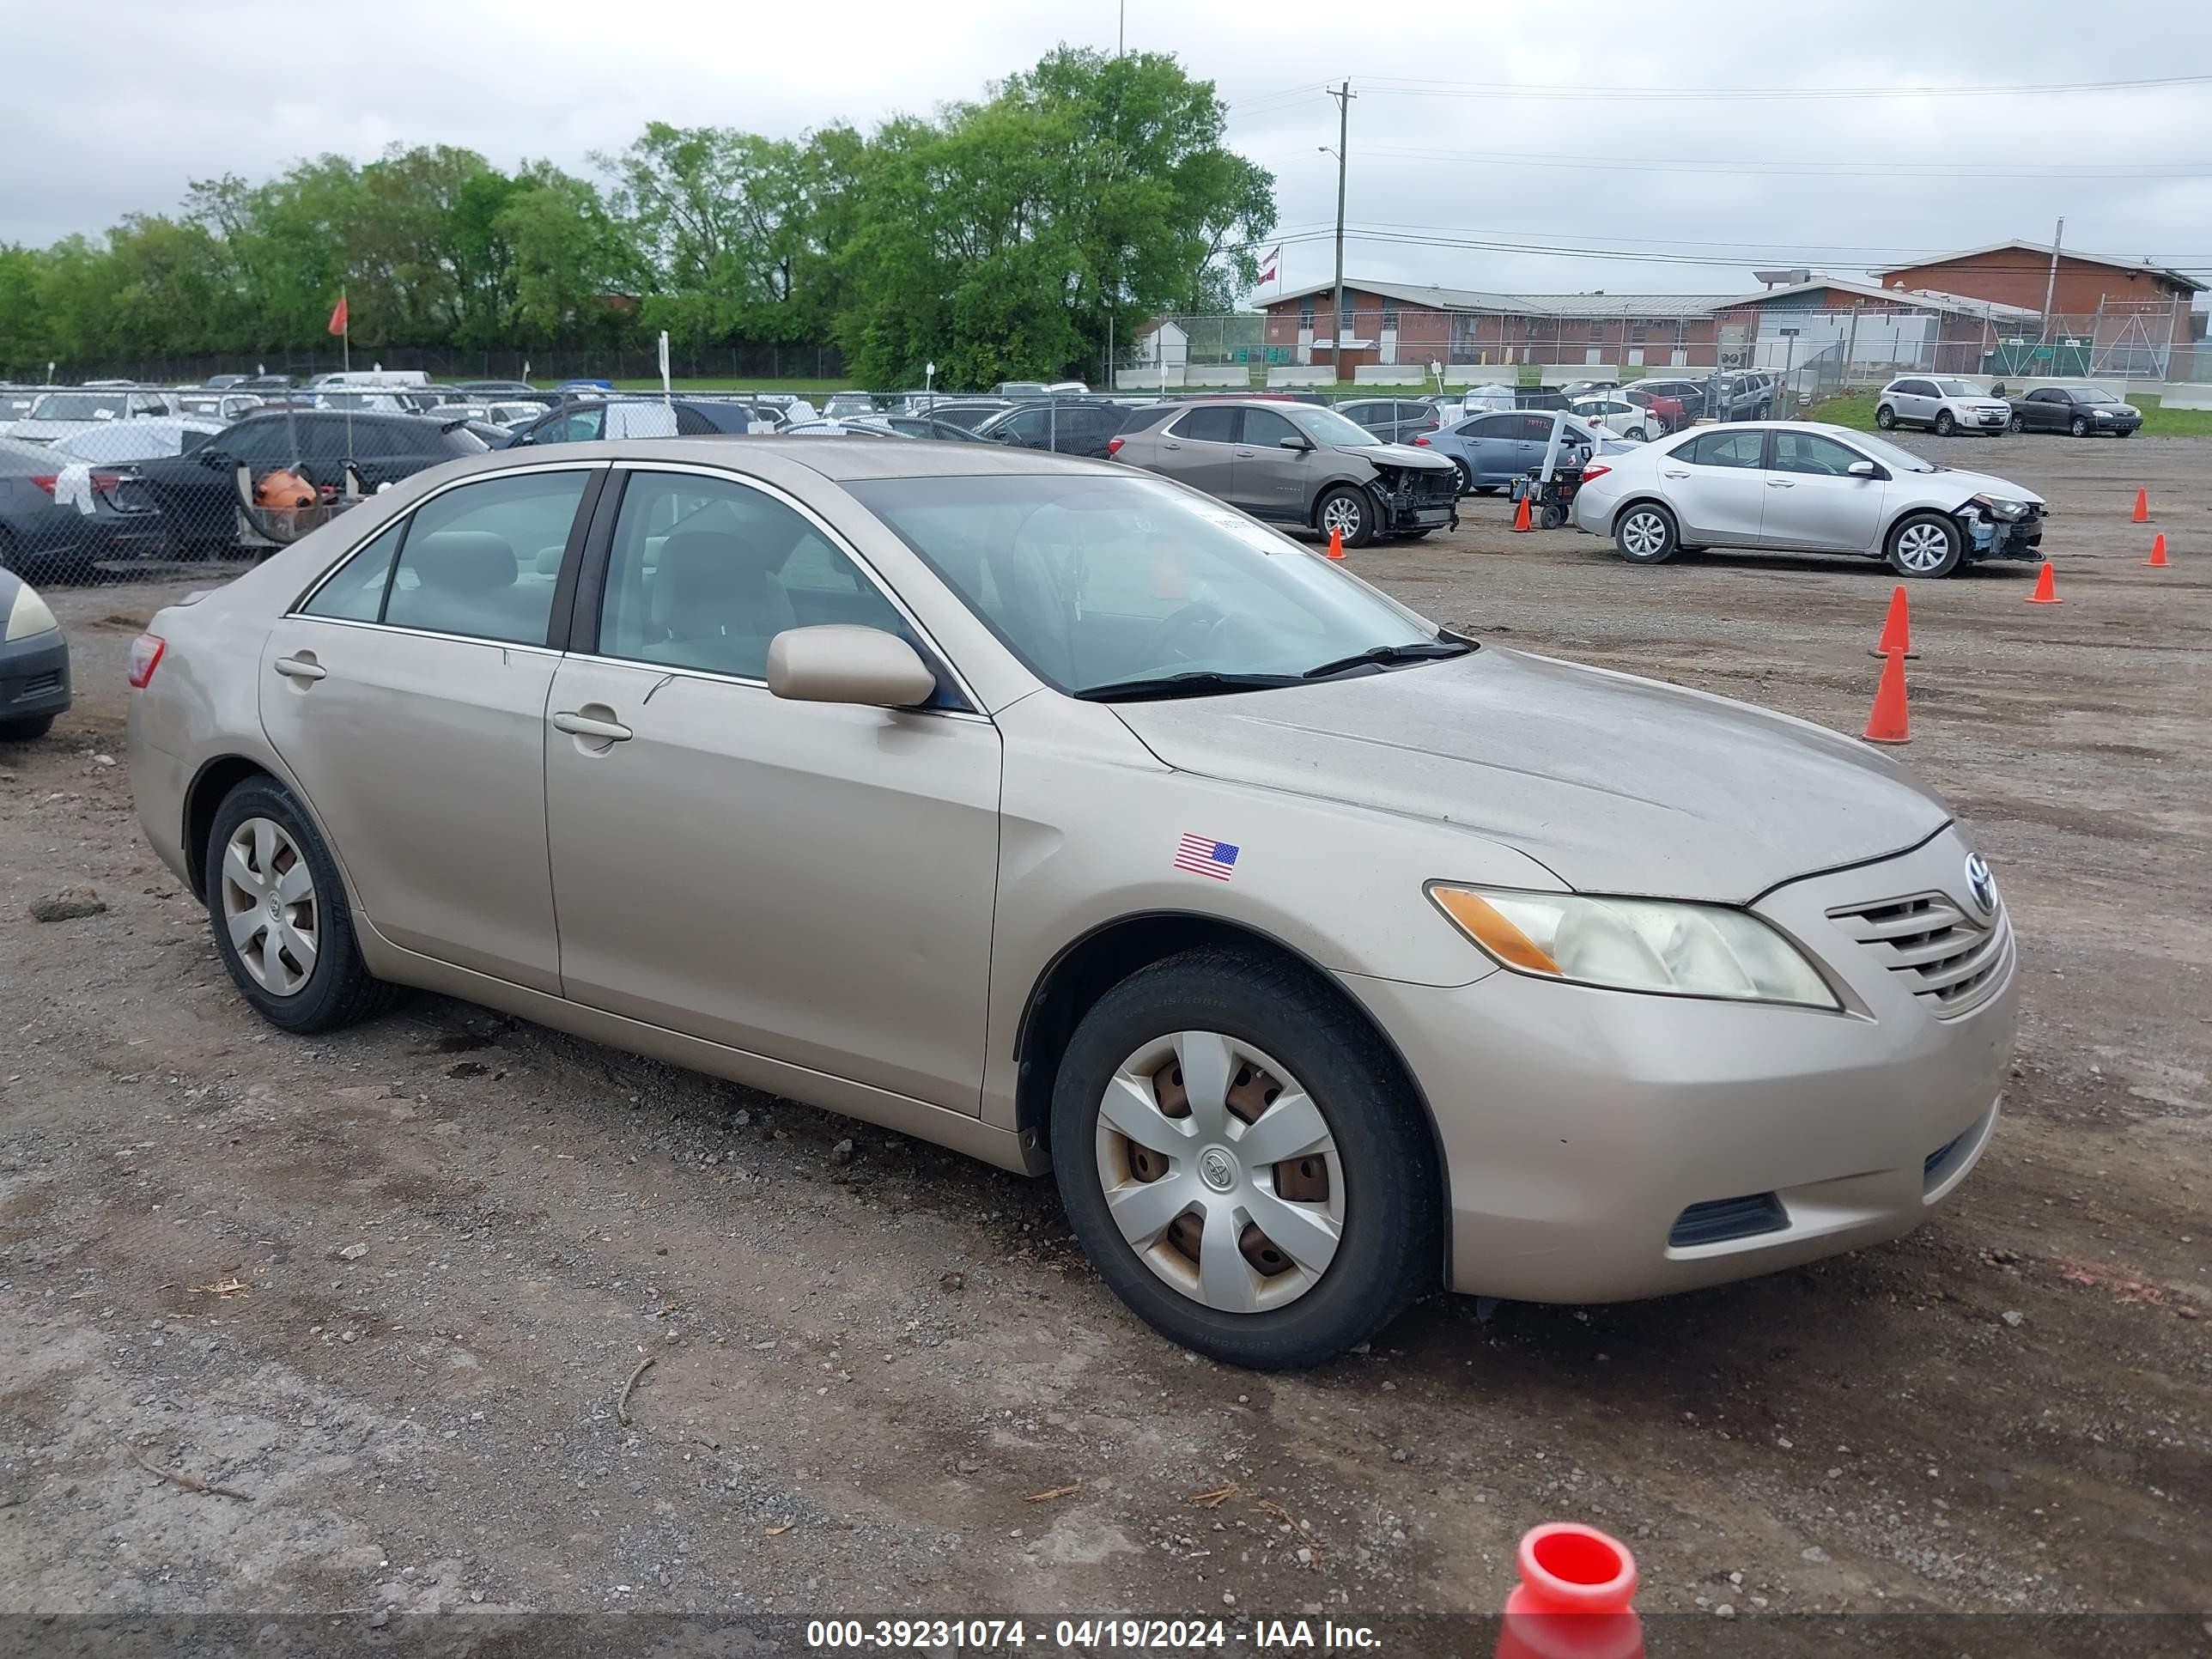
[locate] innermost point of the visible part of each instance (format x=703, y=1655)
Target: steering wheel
x=1198, y=619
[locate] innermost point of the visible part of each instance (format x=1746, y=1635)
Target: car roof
x=858, y=458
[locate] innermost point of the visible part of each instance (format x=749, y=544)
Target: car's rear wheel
x=1349, y=512
x=1242, y=1163
x=1646, y=534
x=2018, y=423
x=1925, y=544
x=281, y=919
x=2079, y=427
x=1885, y=417
x=1945, y=426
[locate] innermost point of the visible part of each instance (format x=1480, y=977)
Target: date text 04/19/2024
x=1090, y=1635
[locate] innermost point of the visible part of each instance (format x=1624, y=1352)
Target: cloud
x=250, y=86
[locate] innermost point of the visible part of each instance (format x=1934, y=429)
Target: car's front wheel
x=1646, y=534
x=1925, y=544
x=1945, y=426
x=2079, y=427
x=1465, y=475
x=282, y=923
x=26, y=731
x=1885, y=417
x=1349, y=512
x=1241, y=1162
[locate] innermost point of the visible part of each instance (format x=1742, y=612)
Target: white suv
x=1944, y=406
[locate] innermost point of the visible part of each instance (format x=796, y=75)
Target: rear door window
x=482, y=559
x=1740, y=449
x=1213, y=423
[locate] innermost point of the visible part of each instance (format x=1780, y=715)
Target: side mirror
x=840, y=662
x=1862, y=469
x=1301, y=445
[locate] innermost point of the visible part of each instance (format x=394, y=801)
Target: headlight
x=28, y=615
x=1998, y=507
x=1635, y=944
x=2104, y=413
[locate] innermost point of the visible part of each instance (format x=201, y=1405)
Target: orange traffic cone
x=2142, y=507
x=1896, y=628
x=1886, y=722
x=1575, y=1600
x=2157, y=560
x=1336, y=542
x=1521, y=521
x=2047, y=588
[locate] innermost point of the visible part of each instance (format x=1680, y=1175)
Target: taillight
x=145, y=657
x=1420, y=443
x=1113, y=448
x=105, y=483
x=1597, y=472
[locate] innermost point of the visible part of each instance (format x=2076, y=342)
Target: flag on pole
x=338, y=317
x=1269, y=261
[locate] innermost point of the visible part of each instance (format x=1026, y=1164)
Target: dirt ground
x=389, y=1285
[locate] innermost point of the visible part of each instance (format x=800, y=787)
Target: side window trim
x=587, y=603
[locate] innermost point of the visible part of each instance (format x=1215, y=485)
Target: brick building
x=2114, y=295
x=1393, y=323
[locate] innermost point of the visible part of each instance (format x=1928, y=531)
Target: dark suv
x=197, y=492
x=1393, y=420
x=1068, y=426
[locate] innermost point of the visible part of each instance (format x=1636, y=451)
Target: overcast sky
x=178, y=91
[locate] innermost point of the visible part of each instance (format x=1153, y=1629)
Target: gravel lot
x=389, y=1285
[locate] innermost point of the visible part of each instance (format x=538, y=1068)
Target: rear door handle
x=583, y=726
x=1669, y=474
x=1780, y=484
x=300, y=668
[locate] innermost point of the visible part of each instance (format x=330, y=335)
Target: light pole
x=1343, y=95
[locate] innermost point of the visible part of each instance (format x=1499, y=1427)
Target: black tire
x=27, y=731
x=1389, y=1252
x=2125, y=432
x=1465, y=476
x=2079, y=426
x=1945, y=426
x=1892, y=548
x=1632, y=534
x=2018, y=423
x=340, y=990
x=1416, y=535
x=1358, y=508
x=1552, y=517
x=1885, y=417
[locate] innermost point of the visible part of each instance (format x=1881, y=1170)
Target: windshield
x=1095, y=581
x=1958, y=389
x=1889, y=455
x=79, y=406
x=2089, y=394
x=1326, y=426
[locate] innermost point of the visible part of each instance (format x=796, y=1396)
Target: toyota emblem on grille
x=1981, y=885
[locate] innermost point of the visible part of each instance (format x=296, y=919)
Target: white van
x=371, y=377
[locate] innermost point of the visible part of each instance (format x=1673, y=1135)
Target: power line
x=1410, y=87
x=1809, y=169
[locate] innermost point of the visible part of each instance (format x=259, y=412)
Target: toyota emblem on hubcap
x=1981, y=885
x=1216, y=1169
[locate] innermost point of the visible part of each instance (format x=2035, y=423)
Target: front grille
x=1951, y=962
x=1719, y=1220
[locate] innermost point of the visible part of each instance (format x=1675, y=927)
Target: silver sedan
x=1059, y=814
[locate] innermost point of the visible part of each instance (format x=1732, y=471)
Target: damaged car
x=1293, y=463
x=1803, y=487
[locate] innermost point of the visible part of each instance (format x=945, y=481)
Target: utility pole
x=2050, y=287
x=1343, y=95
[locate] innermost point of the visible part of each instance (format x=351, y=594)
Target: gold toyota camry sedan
x=1059, y=814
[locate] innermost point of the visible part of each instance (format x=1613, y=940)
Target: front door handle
x=300, y=668
x=1780, y=484
x=583, y=726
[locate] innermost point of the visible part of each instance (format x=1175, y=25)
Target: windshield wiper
x=1390, y=653
x=1198, y=683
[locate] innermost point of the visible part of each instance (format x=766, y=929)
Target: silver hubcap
x=1643, y=534
x=1342, y=513
x=1220, y=1171
x=269, y=905
x=1922, y=547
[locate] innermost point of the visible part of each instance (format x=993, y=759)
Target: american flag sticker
x=1204, y=856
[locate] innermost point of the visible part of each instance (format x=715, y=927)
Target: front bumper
x=1591, y=1137
x=35, y=677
